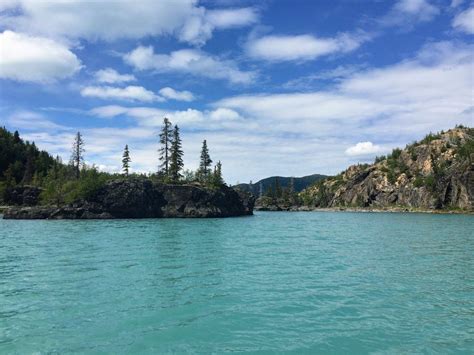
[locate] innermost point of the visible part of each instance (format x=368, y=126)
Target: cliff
x=141, y=198
x=435, y=173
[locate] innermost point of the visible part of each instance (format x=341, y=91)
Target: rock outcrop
x=141, y=198
x=24, y=195
x=435, y=173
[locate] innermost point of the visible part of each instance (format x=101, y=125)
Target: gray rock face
x=140, y=198
x=432, y=174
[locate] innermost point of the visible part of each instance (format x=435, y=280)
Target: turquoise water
x=290, y=282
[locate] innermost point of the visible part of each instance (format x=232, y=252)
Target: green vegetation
x=466, y=150
x=21, y=163
x=429, y=138
x=278, y=195
x=126, y=160
x=176, y=164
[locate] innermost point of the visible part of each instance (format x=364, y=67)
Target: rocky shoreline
x=141, y=198
x=397, y=209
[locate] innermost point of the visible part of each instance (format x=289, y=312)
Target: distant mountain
x=299, y=183
x=434, y=173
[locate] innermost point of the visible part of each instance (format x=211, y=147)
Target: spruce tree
x=165, y=141
x=176, y=156
x=77, y=156
x=126, y=160
x=217, y=176
x=205, y=162
x=278, y=191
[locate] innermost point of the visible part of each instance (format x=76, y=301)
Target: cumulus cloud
x=188, y=61
x=130, y=93
x=408, y=12
x=173, y=94
x=230, y=18
x=37, y=59
x=428, y=92
x=199, y=26
x=465, y=21
x=76, y=19
x=301, y=47
x=111, y=76
x=364, y=149
x=151, y=116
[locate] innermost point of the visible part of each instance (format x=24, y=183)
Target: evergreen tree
x=165, y=141
x=126, y=160
x=278, y=191
x=77, y=156
x=205, y=163
x=176, y=157
x=29, y=166
x=217, y=179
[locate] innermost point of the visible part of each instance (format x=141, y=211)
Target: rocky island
x=34, y=185
x=140, y=198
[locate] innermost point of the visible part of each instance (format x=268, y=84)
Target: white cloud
x=389, y=106
x=364, y=149
x=199, y=26
x=94, y=20
x=111, y=76
x=188, y=61
x=407, y=12
x=229, y=18
x=173, y=94
x=456, y=3
x=28, y=120
x=150, y=116
x=465, y=21
x=131, y=93
x=302, y=47
x=37, y=59
x=400, y=102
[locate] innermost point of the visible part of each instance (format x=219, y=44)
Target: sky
x=276, y=87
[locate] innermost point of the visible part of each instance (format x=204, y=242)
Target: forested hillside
x=272, y=183
x=20, y=160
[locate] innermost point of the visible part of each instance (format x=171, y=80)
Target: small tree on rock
x=217, y=179
x=165, y=150
x=126, y=160
x=77, y=156
x=176, y=157
x=205, y=163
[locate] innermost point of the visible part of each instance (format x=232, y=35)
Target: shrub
x=419, y=181
x=430, y=137
x=466, y=149
x=396, y=153
x=430, y=182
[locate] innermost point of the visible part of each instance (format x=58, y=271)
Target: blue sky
x=276, y=87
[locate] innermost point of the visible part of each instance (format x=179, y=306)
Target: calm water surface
x=292, y=282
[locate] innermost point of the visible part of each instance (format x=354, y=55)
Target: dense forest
x=23, y=164
x=267, y=185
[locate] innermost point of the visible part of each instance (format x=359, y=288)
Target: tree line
x=22, y=163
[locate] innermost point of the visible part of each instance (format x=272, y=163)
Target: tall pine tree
x=77, y=156
x=205, y=163
x=126, y=160
x=165, y=150
x=176, y=156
